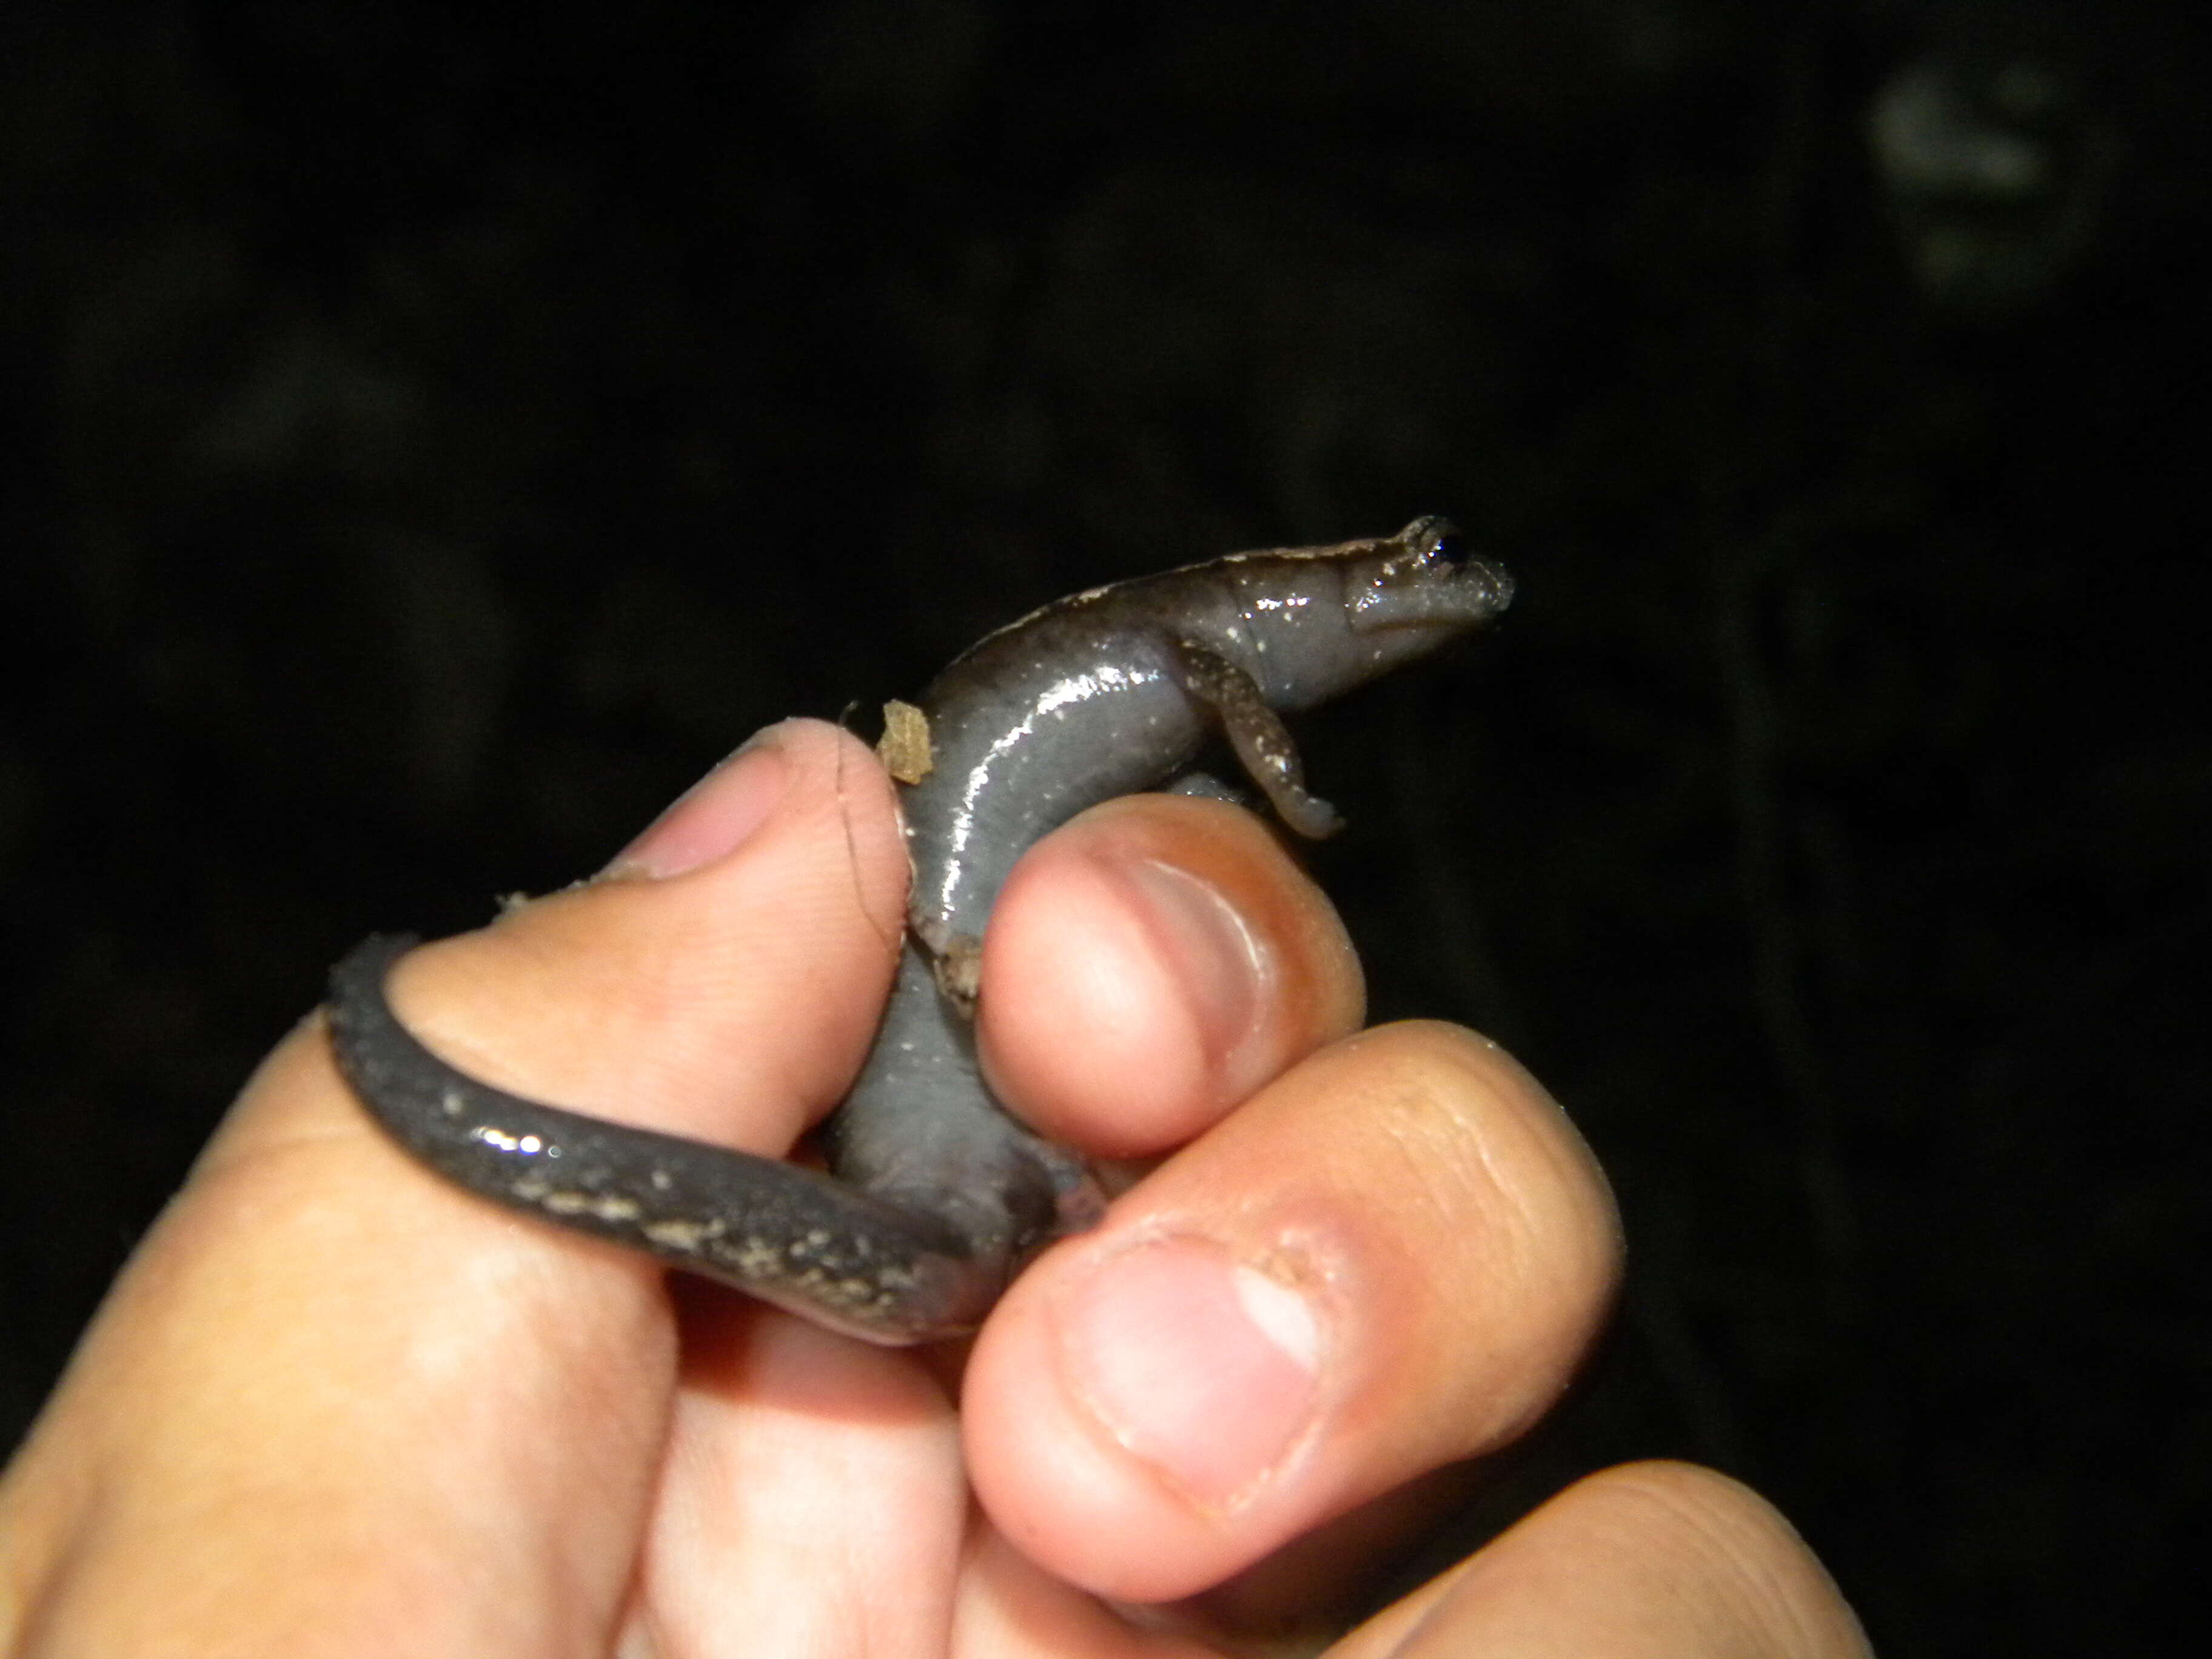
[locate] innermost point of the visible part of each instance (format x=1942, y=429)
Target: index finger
x=1149, y=965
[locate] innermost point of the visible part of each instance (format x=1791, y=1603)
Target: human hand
x=334, y=1407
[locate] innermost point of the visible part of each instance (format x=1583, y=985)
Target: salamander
x=934, y=1194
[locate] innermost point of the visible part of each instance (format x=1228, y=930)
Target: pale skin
x=333, y=1406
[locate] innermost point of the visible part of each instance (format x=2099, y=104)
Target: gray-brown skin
x=937, y=1196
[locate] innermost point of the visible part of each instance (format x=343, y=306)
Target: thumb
x=332, y=1395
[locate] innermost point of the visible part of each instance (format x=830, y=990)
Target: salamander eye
x=1436, y=540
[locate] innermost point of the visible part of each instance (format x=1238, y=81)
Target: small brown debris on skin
x=905, y=746
x=959, y=971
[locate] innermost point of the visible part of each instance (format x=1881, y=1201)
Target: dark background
x=430, y=441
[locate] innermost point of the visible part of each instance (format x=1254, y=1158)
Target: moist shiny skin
x=936, y=1195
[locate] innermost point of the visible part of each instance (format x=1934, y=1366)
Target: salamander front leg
x=1257, y=733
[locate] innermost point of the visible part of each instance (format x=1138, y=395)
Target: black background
x=431, y=439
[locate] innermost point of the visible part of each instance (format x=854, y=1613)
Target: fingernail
x=1218, y=957
x=713, y=818
x=1200, y=1365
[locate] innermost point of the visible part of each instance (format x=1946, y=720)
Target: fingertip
x=1391, y=1258
x=714, y=818
x=1655, y=1558
x=1193, y=958
x=720, y=980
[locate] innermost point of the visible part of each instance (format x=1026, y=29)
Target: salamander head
x=1425, y=577
x=1393, y=599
